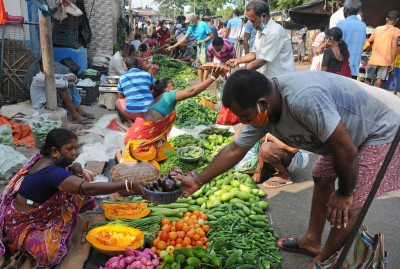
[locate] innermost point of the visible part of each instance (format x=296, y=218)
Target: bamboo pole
x=46, y=45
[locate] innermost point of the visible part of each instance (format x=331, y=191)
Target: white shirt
x=117, y=65
x=136, y=43
x=337, y=17
x=37, y=90
x=273, y=45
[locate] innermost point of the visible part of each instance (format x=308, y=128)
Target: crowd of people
x=349, y=124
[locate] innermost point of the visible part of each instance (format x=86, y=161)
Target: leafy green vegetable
x=190, y=114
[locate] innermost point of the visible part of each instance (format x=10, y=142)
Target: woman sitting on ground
x=148, y=135
x=41, y=203
x=336, y=54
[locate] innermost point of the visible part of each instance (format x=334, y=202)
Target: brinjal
x=168, y=185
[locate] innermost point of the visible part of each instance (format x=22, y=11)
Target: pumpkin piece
x=155, y=163
x=209, y=66
x=207, y=103
x=144, y=155
x=126, y=211
x=114, y=239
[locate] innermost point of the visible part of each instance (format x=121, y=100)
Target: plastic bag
x=299, y=161
x=11, y=161
x=226, y=117
x=6, y=137
x=249, y=164
x=201, y=55
x=41, y=126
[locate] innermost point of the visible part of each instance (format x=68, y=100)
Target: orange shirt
x=382, y=47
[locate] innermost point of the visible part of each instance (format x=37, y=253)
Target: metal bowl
x=188, y=159
x=112, y=79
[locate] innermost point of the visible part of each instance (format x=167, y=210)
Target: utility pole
x=48, y=61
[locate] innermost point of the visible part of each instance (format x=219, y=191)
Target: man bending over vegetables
x=349, y=124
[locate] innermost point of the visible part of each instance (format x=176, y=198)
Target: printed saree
x=43, y=232
x=147, y=140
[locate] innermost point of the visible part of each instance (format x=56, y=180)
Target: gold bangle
x=212, y=77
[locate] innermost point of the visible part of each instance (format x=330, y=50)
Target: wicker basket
x=162, y=197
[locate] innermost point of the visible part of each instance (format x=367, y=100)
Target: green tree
x=225, y=13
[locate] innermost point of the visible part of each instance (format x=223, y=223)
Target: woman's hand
x=233, y=62
x=136, y=186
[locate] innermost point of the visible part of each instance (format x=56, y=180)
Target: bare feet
x=118, y=156
x=79, y=119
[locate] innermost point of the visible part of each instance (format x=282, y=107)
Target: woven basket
x=162, y=197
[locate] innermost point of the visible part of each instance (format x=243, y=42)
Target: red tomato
x=165, y=221
x=166, y=228
x=164, y=236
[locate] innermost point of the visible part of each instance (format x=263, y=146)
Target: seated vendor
x=41, y=203
x=117, y=64
x=282, y=161
x=67, y=95
x=134, y=95
x=147, y=137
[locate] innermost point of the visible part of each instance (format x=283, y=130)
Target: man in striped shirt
x=220, y=51
x=134, y=96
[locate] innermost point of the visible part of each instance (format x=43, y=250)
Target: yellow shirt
x=382, y=46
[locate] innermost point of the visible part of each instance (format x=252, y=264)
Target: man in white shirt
x=136, y=42
x=338, y=15
x=272, y=51
x=68, y=95
x=117, y=64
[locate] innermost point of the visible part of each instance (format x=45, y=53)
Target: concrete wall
x=103, y=23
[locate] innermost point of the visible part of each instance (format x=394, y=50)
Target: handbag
x=369, y=251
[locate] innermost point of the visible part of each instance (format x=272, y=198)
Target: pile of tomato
x=187, y=232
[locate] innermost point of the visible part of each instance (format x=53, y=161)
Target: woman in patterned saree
x=41, y=203
x=146, y=139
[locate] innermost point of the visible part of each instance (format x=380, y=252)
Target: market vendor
x=42, y=201
x=146, y=139
x=198, y=29
x=349, y=124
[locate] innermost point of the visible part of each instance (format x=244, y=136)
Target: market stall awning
x=147, y=13
x=375, y=12
x=314, y=14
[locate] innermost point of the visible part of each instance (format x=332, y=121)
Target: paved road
x=290, y=208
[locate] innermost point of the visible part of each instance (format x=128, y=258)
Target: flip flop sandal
x=291, y=245
x=279, y=181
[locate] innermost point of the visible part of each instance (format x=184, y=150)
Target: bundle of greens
x=191, y=114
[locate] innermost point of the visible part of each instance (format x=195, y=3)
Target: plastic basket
x=162, y=197
x=68, y=38
x=69, y=62
x=92, y=77
x=69, y=23
x=88, y=94
x=102, y=69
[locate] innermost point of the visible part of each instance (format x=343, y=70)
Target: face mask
x=64, y=162
x=260, y=120
x=191, y=24
x=262, y=26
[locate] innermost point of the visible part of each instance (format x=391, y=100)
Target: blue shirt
x=354, y=34
x=235, y=27
x=200, y=31
x=166, y=104
x=135, y=85
x=250, y=30
x=43, y=184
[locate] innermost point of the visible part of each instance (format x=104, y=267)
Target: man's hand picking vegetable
x=189, y=184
